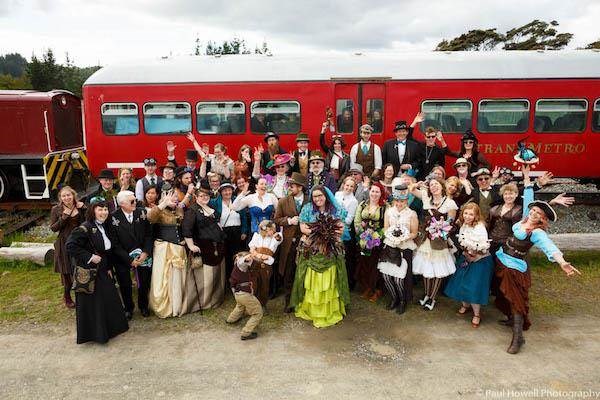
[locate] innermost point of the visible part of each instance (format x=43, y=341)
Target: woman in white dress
x=433, y=258
x=401, y=226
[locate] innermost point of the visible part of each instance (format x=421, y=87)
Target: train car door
x=357, y=104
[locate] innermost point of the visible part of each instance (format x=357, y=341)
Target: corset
x=169, y=233
x=516, y=247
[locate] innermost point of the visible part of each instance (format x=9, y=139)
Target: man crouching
x=243, y=290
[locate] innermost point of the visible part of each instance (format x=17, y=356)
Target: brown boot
x=68, y=300
x=366, y=294
x=517, y=339
x=376, y=295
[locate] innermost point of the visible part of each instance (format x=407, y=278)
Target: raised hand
x=420, y=117
x=563, y=200
x=190, y=136
x=171, y=147
x=545, y=178
x=257, y=154
x=496, y=172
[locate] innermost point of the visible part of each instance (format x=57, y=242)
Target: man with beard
x=286, y=216
x=273, y=148
x=184, y=187
x=318, y=175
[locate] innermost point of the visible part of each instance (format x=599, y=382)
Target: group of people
x=312, y=225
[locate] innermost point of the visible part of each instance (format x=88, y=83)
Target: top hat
x=270, y=135
x=191, y=155
x=400, y=125
x=106, y=174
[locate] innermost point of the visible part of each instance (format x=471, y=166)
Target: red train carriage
x=41, y=143
x=552, y=98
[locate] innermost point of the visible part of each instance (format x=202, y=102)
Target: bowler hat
x=106, y=174
x=302, y=137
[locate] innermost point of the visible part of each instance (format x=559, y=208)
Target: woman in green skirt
x=320, y=293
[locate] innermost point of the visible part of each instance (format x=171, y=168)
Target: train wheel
x=4, y=186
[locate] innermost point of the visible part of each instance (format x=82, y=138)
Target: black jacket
x=412, y=155
x=437, y=156
x=85, y=241
x=127, y=236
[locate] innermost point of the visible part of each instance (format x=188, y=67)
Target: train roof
x=30, y=95
x=431, y=65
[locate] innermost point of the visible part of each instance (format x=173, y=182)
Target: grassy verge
x=33, y=295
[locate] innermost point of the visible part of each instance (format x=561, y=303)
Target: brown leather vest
x=366, y=160
x=516, y=247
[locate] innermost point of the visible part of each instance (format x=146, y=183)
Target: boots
x=393, y=303
x=68, y=300
x=401, y=307
x=517, y=339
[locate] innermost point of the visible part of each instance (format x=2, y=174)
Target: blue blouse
x=539, y=238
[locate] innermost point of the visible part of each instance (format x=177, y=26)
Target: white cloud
x=107, y=31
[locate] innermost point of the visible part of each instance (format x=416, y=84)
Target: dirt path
x=372, y=354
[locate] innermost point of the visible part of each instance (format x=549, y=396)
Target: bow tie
x=402, y=142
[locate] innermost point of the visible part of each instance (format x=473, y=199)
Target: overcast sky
x=106, y=31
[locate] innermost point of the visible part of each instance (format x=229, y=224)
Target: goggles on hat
x=150, y=160
x=97, y=199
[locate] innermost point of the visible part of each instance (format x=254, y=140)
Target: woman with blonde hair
x=470, y=284
x=68, y=214
x=126, y=180
x=455, y=190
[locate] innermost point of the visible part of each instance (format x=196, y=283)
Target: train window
x=221, y=117
x=275, y=116
x=167, y=118
x=344, y=110
x=560, y=115
x=596, y=117
x=503, y=116
x=447, y=115
x=375, y=114
x=120, y=119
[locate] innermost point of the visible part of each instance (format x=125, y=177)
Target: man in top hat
x=273, y=148
x=149, y=179
x=318, y=175
x=403, y=153
x=286, y=216
x=132, y=246
x=301, y=154
x=486, y=195
x=106, y=178
x=366, y=154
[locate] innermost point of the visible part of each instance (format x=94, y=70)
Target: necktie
x=130, y=218
x=402, y=142
x=152, y=181
x=298, y=205
x=365, y=149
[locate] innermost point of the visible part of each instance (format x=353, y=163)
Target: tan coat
x=286, y=208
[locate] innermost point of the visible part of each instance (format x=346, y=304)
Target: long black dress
x=100, y=315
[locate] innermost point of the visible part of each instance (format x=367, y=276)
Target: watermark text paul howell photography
x=539, y=393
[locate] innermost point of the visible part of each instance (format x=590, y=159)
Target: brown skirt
x=367, y=274
x=513, y=294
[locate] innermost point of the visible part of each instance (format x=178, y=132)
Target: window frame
x=354, y=117
x=504, y=100
x=373, y=99
x=137, y=114
x=447, y=101
x=277, y=101
x=596, y=105
x=167, y=102
x=562, y=99
x=226, y=102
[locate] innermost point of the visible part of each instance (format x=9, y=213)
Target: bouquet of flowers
x=395, y=235
x=368, y=240
x=438, y=231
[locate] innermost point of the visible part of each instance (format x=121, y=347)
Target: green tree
x=264, y=49
x=536, y=35
x=9, y=82
x=45, y=74
x=13, y=64
x=234, y=46
x=593, y=45
x=474, y=40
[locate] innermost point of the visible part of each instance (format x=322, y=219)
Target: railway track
x=20, y=215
